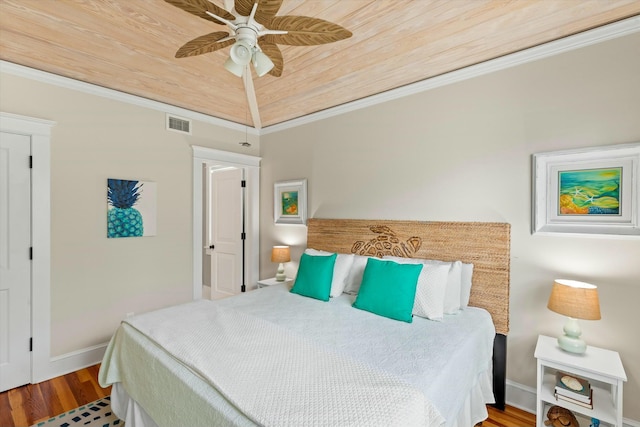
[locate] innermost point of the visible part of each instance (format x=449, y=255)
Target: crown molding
x=89, y=88
x=598, y=35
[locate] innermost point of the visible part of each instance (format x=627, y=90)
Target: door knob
x=212, y=246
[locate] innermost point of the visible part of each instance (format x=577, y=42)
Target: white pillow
x=354, y=279
x=340, y=269
x=452, y=295
x=431, y=288
x=454, y=284
x=465, y=284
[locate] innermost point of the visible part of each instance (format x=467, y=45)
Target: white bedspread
x=364, y=365
x=307, y=386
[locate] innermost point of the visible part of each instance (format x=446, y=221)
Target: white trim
x=40, y=132
x=68, y=83
x=76, y=360
x=227, y=157
x=203, y=156
x=521, y=396
x=586, y=38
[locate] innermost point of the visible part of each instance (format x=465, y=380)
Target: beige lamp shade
x=575, y=299
x=280, y=254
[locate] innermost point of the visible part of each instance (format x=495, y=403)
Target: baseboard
x=524, y=397
x=74, y=361
x=521, y=396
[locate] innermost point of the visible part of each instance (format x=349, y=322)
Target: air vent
x=178, y=124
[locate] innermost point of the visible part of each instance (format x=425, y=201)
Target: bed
x=273, y=357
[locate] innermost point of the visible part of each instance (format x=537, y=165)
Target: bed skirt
x=474, y=409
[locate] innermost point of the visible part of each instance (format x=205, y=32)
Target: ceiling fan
x=254, y=34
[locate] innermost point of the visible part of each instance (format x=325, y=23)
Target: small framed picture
x=131, y=208
x=290, y=202
x=590, y=191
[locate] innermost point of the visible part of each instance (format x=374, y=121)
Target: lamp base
x=280, y=276
x=572, y=345
x=571, y=341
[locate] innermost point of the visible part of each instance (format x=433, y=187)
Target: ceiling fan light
x=262, y=63
x=241, y=52
x=234, y=68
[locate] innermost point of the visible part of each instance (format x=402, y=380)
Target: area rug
x=94, y=414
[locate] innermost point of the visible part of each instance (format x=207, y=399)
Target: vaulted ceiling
x=129, y=46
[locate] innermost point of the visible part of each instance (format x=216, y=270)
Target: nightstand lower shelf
x=604, y=412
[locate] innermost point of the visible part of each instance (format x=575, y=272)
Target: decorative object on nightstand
x=573, y=389
x=561, y=417
x=280, y=254
x=576, y=300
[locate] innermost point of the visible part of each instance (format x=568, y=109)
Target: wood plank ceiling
x=129, y=45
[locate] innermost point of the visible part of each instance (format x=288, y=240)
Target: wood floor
x=32, y=403
x=29, y=404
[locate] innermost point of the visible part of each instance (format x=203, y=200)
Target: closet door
x=15, y=260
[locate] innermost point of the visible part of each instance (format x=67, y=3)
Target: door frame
x=39, y=131
x=251, y=164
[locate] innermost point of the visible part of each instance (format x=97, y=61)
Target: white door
x=226, y=233
x=15, y=264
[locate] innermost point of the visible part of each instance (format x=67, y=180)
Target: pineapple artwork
x=131, y=208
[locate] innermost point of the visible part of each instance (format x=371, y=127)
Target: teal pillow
x=314, y=276
x=388, y=289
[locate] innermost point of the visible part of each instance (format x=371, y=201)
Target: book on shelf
x=573, y=386
x=562, y=392
x=588, y=405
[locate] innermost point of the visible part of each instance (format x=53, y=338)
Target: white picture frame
x=290, y=202
x=575, y=191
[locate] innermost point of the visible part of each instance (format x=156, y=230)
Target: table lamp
x=576, y=300
x=280, y=254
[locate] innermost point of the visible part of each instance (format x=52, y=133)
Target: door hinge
x=30, y=344
x=243, y=183
x=31, y=252
x=30, y=162
x=243, y=236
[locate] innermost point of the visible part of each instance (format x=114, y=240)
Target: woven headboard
x=485, y=244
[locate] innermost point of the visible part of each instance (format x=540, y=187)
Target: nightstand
x=272, y=281
x=602, y=368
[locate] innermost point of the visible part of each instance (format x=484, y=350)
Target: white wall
x=463, y=152
x=95, y=281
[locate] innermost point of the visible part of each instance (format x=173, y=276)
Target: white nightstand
x=602, y=368
x=272, y=281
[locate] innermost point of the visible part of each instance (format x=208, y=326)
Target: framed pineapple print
x=588, y=191
x=290, y=202
x=131, y=208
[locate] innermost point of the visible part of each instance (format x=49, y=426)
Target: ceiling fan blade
x=275, y=55
x=204, y=44
x=305, y=31
x=252, y=101
x=267, y=9
x=200, y=7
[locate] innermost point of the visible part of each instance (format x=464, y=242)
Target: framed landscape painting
x=290, y=202
x=590, y=191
